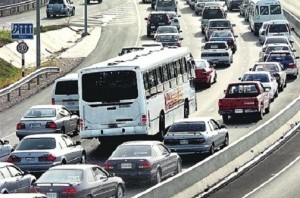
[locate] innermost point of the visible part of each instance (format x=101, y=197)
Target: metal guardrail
x=21, y=6
x=27, y=79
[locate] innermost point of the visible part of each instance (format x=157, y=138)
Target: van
x=279, y=28
x=166, y=5
x=65, y=92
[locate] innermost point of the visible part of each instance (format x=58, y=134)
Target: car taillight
x=144, y=119
x=255, y=102
x=20, y=126
x=292, y=65
x=53, y=101
x=69, y=191
x=47, y=158
x=220, y=103
x=34, y=189
x=51, y=125
x=13, y=159
x=145, y=164
x=108, y=166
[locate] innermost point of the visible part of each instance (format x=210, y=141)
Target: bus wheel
x=186, y=110
x=162, y=126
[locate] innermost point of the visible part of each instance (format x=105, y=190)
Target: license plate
x=70, y=103
x=126, y=165
x=238, y=110
x=29, y=159
x=184, y=142
x=152, y=27
x=35, y=125
x=51, y=195
x=215, y=60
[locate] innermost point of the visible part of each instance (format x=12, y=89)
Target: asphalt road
x=115, y=35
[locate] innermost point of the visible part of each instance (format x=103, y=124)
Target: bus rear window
x=109, y=86
x=264, y=10
x=66, y=87
x=275, y=9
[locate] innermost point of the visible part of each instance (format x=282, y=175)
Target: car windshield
x=167, y=38
x=132, y=151
x=197, y=126
x=61, y=176
x=156, y=18
x=221, y=34
x=163, y=29
x=219, y=24
x=36, y=144
x=256, y=77
x=266, y=67
x=278, y=28
x=40, y=113
x=215, y=46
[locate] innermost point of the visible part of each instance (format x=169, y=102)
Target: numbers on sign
x=22, y=47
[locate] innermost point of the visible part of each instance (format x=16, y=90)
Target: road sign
x=22, y=47
x=22, y=31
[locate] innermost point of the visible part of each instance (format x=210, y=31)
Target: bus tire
x=186, y=109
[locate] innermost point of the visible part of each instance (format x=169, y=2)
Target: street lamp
x=85, y=33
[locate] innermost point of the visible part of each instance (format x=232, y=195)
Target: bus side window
x=159, y=79
x=152, y=82
x=146, y=84
x=172, y=74
x=179, y=71
x=166, y=77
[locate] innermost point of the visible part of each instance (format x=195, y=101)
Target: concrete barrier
x=192, y=181
x=20, y=7
x=294, y=21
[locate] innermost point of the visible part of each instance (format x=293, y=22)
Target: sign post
x=22, y=48
x=22, y=31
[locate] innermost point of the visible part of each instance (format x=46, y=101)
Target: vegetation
x=8, y=73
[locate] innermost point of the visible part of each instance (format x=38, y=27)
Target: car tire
x=148, y=34
x=119, y=192
x=215, y=77
x=186, y=109
x=226, y=142
x=73, y=12
x=63, y=130
x=48, y=15
x=178, y=167
x=268, y=108
x=276, y=94
x=225, y=119
x=212, y=149
x=260, y=115
x=83, y=158
x=157, y=178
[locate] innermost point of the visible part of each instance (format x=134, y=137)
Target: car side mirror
x=294, y=50
x=240, y=78
x=250, y=69
x=297, y=57
x=112, y=174
x=233, y=25
x=146, y=18
x=6, y=142
x=235, y=36
x=291, y=41
x=225, y=91
x=180, y=30
x=178, y=15
x=181, y=38
x=263, y=33
x=292, y=29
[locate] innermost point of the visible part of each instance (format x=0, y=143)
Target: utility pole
x=85, y=33
x=38, y=37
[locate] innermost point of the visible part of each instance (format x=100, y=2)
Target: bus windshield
x=109, y=86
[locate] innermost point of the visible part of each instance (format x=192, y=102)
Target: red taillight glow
x=255, y=102
x=51, y=125
x=143, y=119
x=145, y=164
x=47, y=158
x=13, y=159
x=108, y=166
x=292, y=65
x=53, y=101
x=69, y=190
x=20, y=126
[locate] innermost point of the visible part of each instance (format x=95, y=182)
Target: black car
x=155, y=19
x=143, y=162
x=234, y=4
x=225, y=35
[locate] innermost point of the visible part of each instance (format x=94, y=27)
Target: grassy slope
x=8, y=73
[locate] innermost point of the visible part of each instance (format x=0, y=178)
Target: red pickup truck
x=244, y=98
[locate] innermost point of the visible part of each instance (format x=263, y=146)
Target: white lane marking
x=8, y=136
x=272, y=178
x=139, y=23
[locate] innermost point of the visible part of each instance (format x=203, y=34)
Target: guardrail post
x=46, y=75
x=20, y=91
x=38, y=80
x=28, y=85
x=8, y=97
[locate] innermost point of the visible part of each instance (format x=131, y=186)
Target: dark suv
x=155, y=19
x=234, y=4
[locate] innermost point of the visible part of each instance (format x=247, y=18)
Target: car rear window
x=215, y=46
x=212, y=14
x=256, y=77
x=244, y=90
x=188, y=127
x=132, y=151
x=66, y=87
x=61, y=176
x=155, y=18
x=40, y=112
x=56, y=1
x=274, y=28
x=266, y=67
x=36, y=144
x=219, y=24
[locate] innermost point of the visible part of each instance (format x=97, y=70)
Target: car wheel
x=119, y=192
x=276, y=93
x=260, y=115
x=73, y=12
x=62, y=130
x=157, y=179
x=285, y=84
x=186, y=110
x=225, y=119
x=212, y=149
x=178, y=167
x=268, y=108
x=226, y=142
x=215, y=78
x=83, y=158
x=148, y=34
x=48, y=15
x=208, y=85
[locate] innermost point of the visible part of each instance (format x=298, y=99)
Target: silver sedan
x=41, y=119
x=201, y=135
x=5, y=150
x=38, y=153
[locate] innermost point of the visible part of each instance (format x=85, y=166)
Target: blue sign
x=22, y=31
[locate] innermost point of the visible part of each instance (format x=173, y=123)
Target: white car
x=274, y=47
x=166, y=29
x=267, y=80
x=217, y=52
x=5, y=150
x=279, y=28
x=276, y=39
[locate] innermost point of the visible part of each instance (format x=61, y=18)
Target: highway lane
x=119, y=36
x=275, y=177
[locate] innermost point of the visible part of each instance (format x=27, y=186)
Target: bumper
x=89, y=134
x=219, y=60
x=37, y=168
x=237, y=111
x=190, y=149
x=291, y=71
x=57, y=12
x=23, y=133
x=137, y=177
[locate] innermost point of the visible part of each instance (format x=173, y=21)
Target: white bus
x=264, y=10
x=137, y=94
